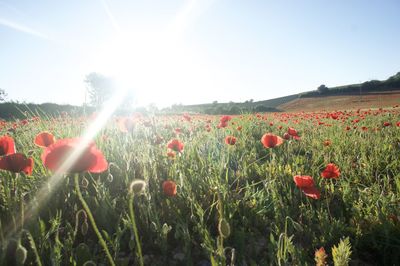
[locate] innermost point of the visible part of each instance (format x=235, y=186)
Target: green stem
x=135, y=231
x=92, y=221
x=33, y=247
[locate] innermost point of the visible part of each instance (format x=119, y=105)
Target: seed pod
x=224, y=228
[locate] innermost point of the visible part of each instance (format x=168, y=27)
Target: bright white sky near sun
x=183, y=51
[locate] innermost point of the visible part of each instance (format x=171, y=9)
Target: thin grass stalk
x=92, y=221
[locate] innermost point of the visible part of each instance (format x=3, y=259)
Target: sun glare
x=156, y=65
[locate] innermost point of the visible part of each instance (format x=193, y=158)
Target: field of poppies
x=320, y=188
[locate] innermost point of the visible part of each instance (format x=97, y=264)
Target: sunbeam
x=45, y=192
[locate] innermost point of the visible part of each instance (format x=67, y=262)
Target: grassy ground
x=235, y=204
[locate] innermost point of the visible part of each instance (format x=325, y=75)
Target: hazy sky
x=188, y=52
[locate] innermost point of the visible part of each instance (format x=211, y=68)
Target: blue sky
x=185, y=51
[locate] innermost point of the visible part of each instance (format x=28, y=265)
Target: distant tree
x=322, y=89
x=3, y=95
x=215, y=102
x=234, y=110
x=99, y=88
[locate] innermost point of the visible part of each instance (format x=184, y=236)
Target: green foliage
x=392, y=83
x=322, y=89
x=3, y=95
x=342, y=252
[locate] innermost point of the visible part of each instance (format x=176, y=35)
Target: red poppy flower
x=270, y=140
x=44, y=139
x=386, y=124
x=169, y=188
x=306, y=184
x=225, y=119
x=311, y=192
x=292, y=131
x=7, y=145
x=331, y=171
x=398, y=124
x=230, y=140
x=90, y=160
x=175, y=145
x=303, y=181
x=222, y=125
x=16, y=163
x=327, y=142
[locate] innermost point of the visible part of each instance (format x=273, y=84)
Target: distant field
x=340, y=102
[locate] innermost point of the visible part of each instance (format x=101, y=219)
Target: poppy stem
x=92, y=221
x=134, y=229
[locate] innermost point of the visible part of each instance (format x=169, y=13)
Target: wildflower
x=90, y=159
x=331, y=171
x=230, y=140
x=386, y=124
x=223, y=122
x=16, y=162
x=306, y=184
x=169, y=188
x=225, y=119
x=270, y=140
x=303, y=181
x=7, y=145
x=293, y=132
x=175, y=145
x=320, y=257
x=327, y=142
x=44, y=139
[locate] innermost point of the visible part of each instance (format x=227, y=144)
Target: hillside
x=343, y=102
x=373, y=93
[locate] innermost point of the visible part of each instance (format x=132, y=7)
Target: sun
x=149, y=65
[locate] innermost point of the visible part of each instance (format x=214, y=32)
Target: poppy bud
x=20, y=254
x=286, y=136
x=137, y=186
x=85, y=182
x=84, y=227
x=224, y=228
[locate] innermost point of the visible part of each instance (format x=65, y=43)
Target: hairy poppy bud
x=84, y=227
x=137, y=186
x=224, y=228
